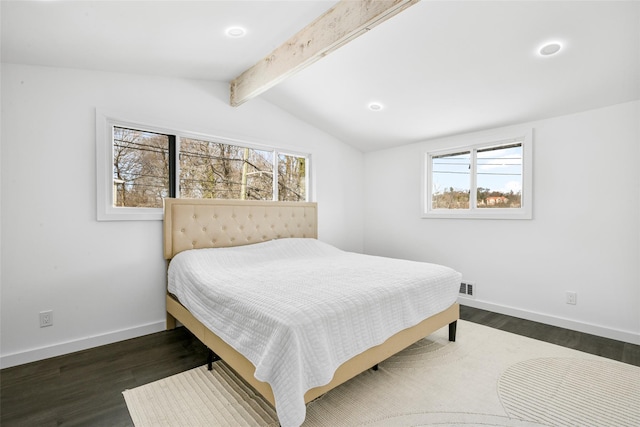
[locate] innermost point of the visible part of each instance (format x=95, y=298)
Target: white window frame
x=106, y=121
x=526, y=209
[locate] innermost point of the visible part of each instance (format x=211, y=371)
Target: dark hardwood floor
x=85, y=388
x=605, y=347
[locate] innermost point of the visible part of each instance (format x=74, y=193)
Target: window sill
x=479, y=214
x=130, y=214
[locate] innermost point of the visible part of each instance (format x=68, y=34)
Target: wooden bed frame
x=207, y=223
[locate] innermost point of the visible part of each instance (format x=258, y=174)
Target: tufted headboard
x=209, y=223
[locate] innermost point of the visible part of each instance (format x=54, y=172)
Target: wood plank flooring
x=85, y=388
x=605, y=347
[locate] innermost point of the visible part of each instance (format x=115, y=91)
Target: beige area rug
x=488, y=377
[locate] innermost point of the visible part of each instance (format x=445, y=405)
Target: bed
x=263, y=228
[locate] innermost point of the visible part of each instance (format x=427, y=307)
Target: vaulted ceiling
x=438, y=68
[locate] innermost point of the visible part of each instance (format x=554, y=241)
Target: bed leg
x=452, y=330
x=375, y=367
x=171, y=322
x=211, y=357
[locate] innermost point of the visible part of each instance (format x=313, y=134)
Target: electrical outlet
x=46, y=318
x=572, y=297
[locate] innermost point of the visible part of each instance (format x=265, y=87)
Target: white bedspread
x=299, y=308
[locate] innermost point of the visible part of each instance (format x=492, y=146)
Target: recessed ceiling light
x=236, y=32
x=375, y=106
x=550, y=49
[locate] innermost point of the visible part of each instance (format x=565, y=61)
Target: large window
x=215, y=170
x=139, y=165
x=486, y=180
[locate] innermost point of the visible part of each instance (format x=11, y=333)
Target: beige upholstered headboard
x=208, y=223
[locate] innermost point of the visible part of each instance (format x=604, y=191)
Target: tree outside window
x=144, y=163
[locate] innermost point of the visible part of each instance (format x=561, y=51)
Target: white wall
x=105, y=281
x=585, y=235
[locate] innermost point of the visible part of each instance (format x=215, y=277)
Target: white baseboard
x=588, y=328
x=20, y=358
x=41, y=353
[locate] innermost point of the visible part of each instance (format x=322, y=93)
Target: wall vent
x=468, y=289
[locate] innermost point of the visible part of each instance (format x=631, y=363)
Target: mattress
x=299, y=308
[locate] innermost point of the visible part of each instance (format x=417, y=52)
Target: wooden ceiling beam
x=342, y=23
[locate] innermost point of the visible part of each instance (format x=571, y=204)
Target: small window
x=488, y=180
x=292, y=178
x=499, y=177
x=451, y=174
x=140, y=165
x=140, y=168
